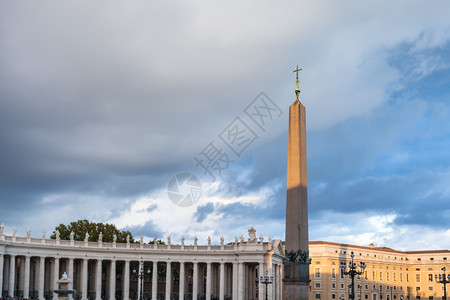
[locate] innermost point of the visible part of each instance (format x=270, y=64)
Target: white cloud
x=363, y=228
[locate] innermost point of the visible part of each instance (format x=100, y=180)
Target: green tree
x=158, y=242
x=80, y=228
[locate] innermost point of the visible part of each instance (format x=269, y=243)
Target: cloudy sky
x=103, y=103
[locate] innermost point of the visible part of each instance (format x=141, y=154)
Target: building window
x=417, y=277
x=430, y=288
x=407, y=277
x=430, y=297
x=365, y=275
x=317, y=296
x=333, y=285
x=387, y=276
x=342, y=273
x=333, y=273
x=317, y=285
x=417, y=288
x=366, y=296
x=342, y=286
x=317, y=273
x=395, y=276
x=430, y=277
x=373, y=275
x=333, y=296
x=366, y=286
x=381, y=276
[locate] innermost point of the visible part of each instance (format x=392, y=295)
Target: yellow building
x=389, y=274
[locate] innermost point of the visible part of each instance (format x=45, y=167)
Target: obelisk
x=296, y=265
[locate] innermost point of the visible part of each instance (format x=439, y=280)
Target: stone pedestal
x=296, y=281
x=63, y=291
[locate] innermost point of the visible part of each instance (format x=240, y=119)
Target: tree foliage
x=158, y=242
x=81, y=227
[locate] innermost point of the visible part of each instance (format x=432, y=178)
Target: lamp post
x=352, y=271
x=444, y=280
x=266, y=280
x=141, y=275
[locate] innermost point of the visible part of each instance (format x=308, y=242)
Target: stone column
x=98, y=280
x=222, y=281
x=208, y=281
x=1, y=273
x=168, y=280
x=275, y=281
x=12, y=275
x=182, y=280
x=84, y=279
x=195, y=281
x=270, y=286
x=41, y=277
x=112, y=281
x=54, y=284
x=235, y=280
x=260, y=285
x=280, y=286
x=241, y=281
x=155, y=280
x=21, y=272
x=70, y=275
x=126, y=281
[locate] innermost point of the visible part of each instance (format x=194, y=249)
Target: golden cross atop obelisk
x=297, y=88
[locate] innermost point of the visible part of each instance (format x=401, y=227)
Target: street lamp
x=353, y=272
x=141, y=277
x=444, y=280
x=266, y=280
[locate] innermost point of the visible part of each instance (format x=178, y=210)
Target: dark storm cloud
x=88, y=110
x=102, y=103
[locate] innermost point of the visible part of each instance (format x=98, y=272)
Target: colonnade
x=97, y=279
x=30, y=269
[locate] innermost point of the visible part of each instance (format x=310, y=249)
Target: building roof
x=386, y=249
